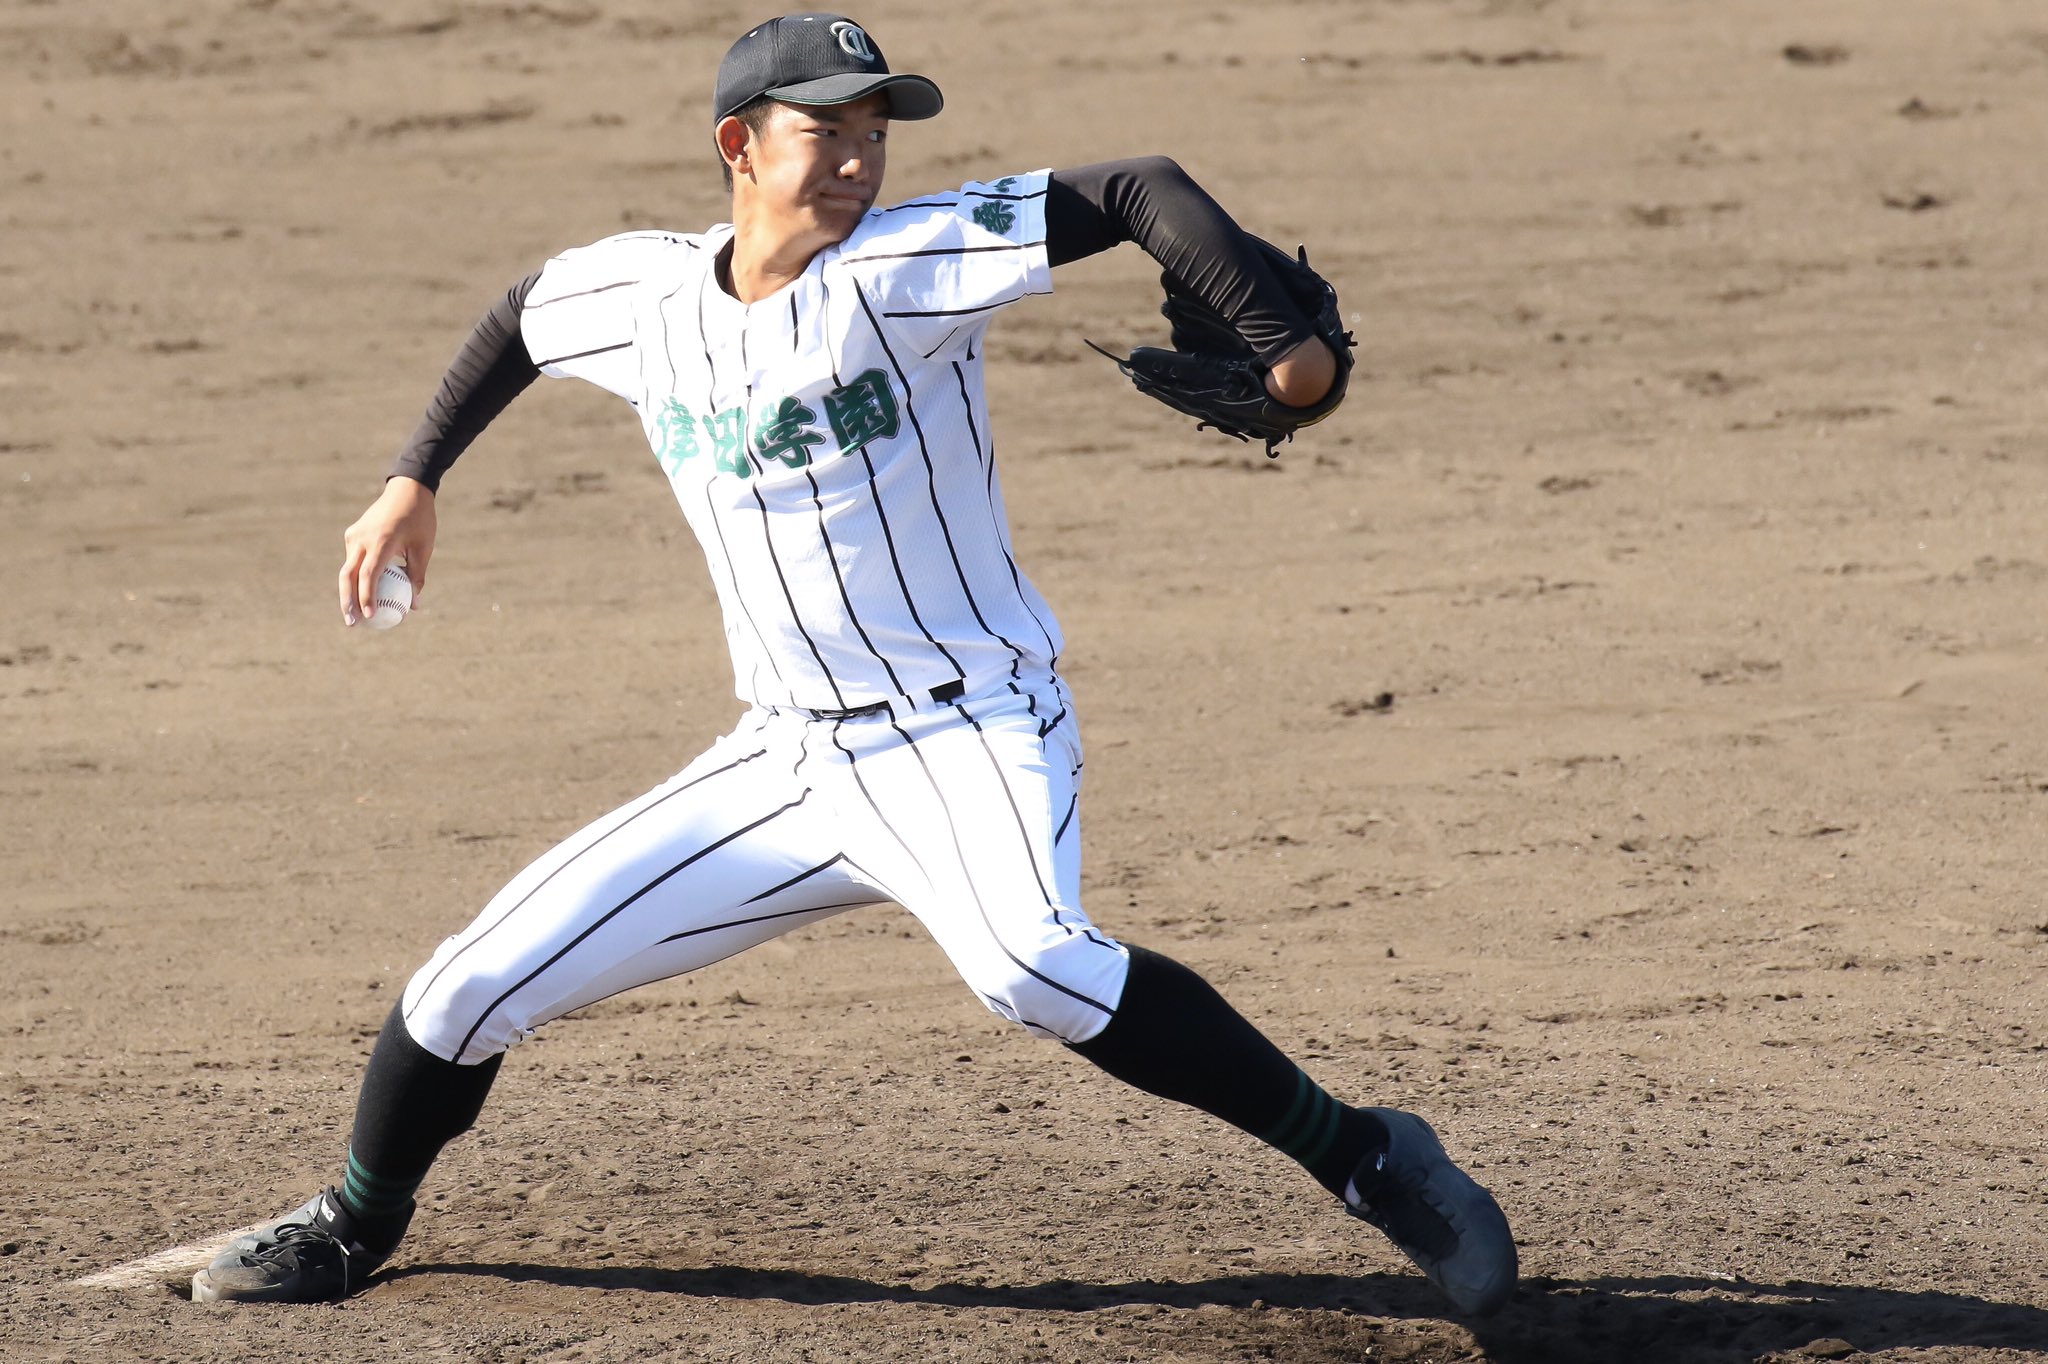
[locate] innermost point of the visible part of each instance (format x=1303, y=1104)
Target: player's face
x=818, y=167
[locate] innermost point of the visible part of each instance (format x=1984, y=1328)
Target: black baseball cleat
x=318, y=1253
x=1436, y=1213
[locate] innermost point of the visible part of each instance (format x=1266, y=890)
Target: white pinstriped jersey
x=830, y=443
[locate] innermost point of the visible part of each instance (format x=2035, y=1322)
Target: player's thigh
x=982, y=843
x=730, y=852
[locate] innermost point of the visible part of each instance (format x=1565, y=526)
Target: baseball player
x=809, y=376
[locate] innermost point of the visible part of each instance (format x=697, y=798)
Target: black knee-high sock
x=412, y=1104
x=1175, y=1037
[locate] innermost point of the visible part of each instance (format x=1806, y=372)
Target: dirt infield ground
x=1617, y=735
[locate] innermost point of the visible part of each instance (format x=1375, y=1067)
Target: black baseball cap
x=816, y=59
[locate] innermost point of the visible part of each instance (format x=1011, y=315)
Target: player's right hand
x=399, y=525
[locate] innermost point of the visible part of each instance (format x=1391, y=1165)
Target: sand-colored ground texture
x=1617, y=734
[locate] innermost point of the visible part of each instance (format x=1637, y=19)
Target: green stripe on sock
x=358, y=1173
x=1305, y=1091
x=1311, y=1123
x=1330, y=1127
x=370, y=1194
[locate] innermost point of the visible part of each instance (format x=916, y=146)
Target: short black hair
x=754, y=113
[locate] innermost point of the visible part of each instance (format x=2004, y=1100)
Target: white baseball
x=391, y=599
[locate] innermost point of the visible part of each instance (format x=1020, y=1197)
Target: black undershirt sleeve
x=490, y=370
x=1150, y=200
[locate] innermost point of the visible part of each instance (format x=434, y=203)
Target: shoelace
x=293, y=1238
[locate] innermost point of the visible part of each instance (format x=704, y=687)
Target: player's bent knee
x=1066, y=992
x=462, y=1015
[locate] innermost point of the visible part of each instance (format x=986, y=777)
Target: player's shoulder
x=975, y=215
x=617, y=261
x=643, y=244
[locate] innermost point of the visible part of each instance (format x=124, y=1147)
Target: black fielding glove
x=1211, y=373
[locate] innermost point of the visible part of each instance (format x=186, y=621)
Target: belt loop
x=945, y=694
x=872, y=708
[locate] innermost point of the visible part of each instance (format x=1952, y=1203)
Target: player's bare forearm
x=400, y=524
x=1301, y=377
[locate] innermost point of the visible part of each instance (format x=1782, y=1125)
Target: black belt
x=943, y=694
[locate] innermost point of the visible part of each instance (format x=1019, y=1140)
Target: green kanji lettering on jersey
x=675, y=437
x=862, y=411
x=728, y=433
x=788, y=434
x=997, y=216
x=1003, y=185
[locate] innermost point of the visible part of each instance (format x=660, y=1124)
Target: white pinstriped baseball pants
x=965, y=814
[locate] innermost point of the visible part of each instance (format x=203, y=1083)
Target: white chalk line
x=166, y=1264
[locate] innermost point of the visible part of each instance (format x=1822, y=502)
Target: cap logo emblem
x=854, y=41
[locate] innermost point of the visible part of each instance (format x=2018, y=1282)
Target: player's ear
x=735, y=144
